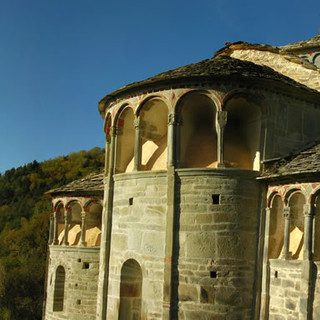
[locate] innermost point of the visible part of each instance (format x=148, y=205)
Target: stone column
x=137, y=145
x=172, y=125
x=286, y=254
x=83, y=229
x=102, y=298
x=307, y=237
x=107, y=155
x=55, y=228
x=66, y=227
x=305, y=307
x=51, y=226
x=221, y=121
x=177, y=139
x=265, y=270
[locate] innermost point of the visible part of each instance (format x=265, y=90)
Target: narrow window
x=58, y=294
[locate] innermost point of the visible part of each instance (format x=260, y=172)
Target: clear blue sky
x=58, y=58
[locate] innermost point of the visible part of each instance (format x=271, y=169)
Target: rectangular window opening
x=213, y=274
x=85, y=265
x=130, y=201
x=216, y=199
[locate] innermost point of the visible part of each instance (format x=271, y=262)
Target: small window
x=85, y=265
x=130, y=201
x=213, y=274
x=216, y=199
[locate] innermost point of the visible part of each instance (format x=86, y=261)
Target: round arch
x=243, y=131
x=130, y=290
x=152, y=115
x=296, y=199
x=198, y=136
x=125, y=138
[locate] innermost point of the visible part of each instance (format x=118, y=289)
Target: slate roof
x=90, y=185
x=305, y=163
x=305, y=44
x=220, y=66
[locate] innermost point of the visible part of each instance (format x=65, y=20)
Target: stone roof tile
x=210, y=69
x=304, y=163
x=90, y=185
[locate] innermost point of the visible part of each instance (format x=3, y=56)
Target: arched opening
x=198, y=137
x=296, y=202
x=316, y=233
x=74, y=223
x=93, y=225
x=153, y=132
x=276, y=228
x=60, y=222
x=130, y=291
x=242, y=134
x=58, y=294
x=125, y=140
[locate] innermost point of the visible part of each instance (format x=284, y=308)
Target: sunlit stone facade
x=198, y=215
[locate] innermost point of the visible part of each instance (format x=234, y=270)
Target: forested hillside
x=24, y=222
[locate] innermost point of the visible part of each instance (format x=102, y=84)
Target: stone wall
x=280, y=63
x=316, y=300
x=285, y=283
x=219, y=217
x=138, y=233
x=81, y=266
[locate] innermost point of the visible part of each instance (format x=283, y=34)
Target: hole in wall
x=276, y=274
x=130, y=201
x=216, y=199
x=213, y=274
x=76, y=285
x=78, y=301
x=85, y=265
x=79, y=260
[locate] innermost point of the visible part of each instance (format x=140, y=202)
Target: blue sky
x=58, y=58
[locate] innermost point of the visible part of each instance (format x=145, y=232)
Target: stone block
x=188, y=292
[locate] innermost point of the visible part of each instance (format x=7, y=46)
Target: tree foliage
x=24, y=222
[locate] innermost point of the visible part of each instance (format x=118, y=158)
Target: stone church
x=209, y=205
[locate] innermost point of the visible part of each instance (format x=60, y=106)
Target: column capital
x=136, y=123
x=267, y=210
x=221, y=118
x=307, y=210
x=286, y=212
x=114, y=131
x=175, y=119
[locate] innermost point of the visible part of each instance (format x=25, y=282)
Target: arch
x=271, y=198
x=276, y=226
x=243, y=130
x=198, y=137
x=125, y=139
x=60, y=210
x=153, y=122
x=296, y=201
x=290, y=192
x=59, y=288
x=130, y=291
x=93, y=223
x=157, y=97
x=74, y=209
x=316, y=59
